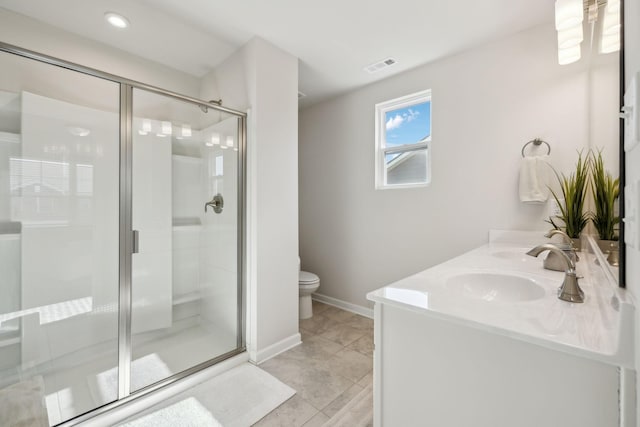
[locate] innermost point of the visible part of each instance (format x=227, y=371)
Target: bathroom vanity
x=482, y=340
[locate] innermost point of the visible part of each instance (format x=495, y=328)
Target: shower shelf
x=10, y=137
x=188, y=297
x=179, y=222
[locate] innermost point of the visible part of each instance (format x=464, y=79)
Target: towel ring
x=537, y=142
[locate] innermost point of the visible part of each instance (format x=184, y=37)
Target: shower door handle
x=135, y=247
x=217, y=203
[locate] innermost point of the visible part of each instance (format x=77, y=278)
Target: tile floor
x=331, y=367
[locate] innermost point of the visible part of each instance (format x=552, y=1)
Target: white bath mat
x=22, y=404
x=237, y=398
x=187, y=412
x=144, y=371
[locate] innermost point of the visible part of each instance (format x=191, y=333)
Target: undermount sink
x=496, y=287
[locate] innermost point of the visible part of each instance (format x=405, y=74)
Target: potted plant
x=571, y=204
x=605, y=191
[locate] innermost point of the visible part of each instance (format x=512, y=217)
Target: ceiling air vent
x=377, y=66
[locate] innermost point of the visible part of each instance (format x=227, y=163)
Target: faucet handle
x=564, y=235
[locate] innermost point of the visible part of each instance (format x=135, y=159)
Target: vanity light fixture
x=166, y=128
x=116, y=20
x=569, y=14
x=569, y=17
x=569, y=22
x=146, y=127
x=213, y=140
x=570, y=37
x=78, y=131
x=569, y=54
x=610, y=31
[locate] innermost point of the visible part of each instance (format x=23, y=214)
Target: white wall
x=28, y=33
x=262, y=78
x=487, y=102
x=632, y=65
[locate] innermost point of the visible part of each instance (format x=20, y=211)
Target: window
x=403, y=138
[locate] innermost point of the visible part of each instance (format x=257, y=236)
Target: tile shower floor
x=330, y=369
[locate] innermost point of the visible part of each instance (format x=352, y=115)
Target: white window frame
x=381, y=144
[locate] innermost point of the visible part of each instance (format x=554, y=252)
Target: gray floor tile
x=305, y=335
x=338, y=315
x=314, y=381
x=357, y=413
x=316, y=348
x=363, y=345
x=367, y=380
x=295, y=412
x=318, y=420
x=350, y=364
x=342, y=334
x=318, y=324
x=318, y=307
x=361, y=322
x=336, y=353
x=339, y=402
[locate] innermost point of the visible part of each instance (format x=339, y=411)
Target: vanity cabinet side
x=430, y=371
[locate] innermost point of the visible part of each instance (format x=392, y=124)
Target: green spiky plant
x=605, y=191
x=574, y=191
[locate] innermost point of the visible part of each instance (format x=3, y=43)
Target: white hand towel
x=534, y=179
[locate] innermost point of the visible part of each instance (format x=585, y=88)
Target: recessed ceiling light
x=116, y=20
x=78, y=131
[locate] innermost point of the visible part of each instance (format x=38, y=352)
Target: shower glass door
x=185, y=306
x=59, y=205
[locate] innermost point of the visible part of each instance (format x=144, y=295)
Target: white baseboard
x=354, y=308
x=275, y=349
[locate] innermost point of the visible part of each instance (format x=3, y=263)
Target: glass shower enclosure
x=121, y=238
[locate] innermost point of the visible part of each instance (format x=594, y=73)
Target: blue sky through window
x=408, y=125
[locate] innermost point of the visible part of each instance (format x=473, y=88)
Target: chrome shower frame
x=126, y=235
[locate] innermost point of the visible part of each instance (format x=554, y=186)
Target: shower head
x=205, y=109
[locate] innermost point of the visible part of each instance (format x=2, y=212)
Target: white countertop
x=600, y=328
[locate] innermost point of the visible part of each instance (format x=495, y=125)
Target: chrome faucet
x=554, y=231
x=554, y=262
x=570, y=289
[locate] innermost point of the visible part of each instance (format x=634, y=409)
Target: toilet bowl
x=308, y=283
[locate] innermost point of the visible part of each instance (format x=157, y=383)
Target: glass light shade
x=229, y=141
x=166, y=128
x=116, y=20
x=186, y=131
x=569, y=55
x=569, y=13
x=613, y=6
x=146, y=126
x=215, y=139
x=570, y=37
x=610, y=43
x=611, y=21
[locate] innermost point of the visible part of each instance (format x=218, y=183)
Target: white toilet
x=308, y=283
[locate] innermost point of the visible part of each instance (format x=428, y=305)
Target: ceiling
x=334, y=39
